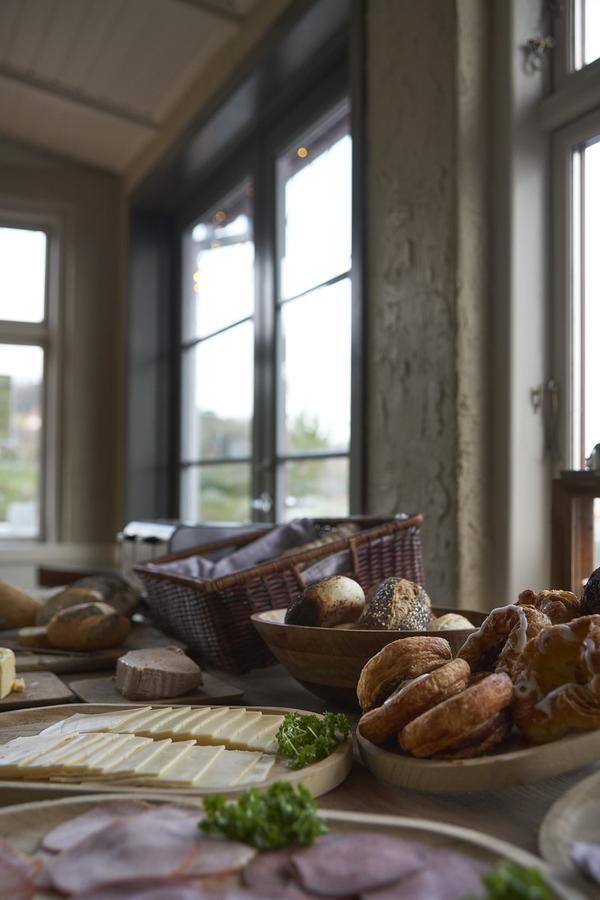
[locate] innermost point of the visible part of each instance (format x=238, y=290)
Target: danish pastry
x=499, y=641
x=557, y=681
x=397, y=662
x=397, y=605
x=482, y=739
x=412, y=699
x=457, y=720
x=559, y=606
x=590, y=599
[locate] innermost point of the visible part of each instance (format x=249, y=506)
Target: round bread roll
x=328, y=603
x=396, y=605
x=451, y=622
x=111, y=588
x=397, y=662
x=89, y=626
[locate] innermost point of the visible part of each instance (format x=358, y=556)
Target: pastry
x=337, y=600
x=413, y=698
x=397, y=662
x=559, y=606
x=590, y=599
x=88, y=626
x=481, y=739
x=499, y=641
x=450, y=622
x=557, y=681
x=397, y=605
x=457, y=719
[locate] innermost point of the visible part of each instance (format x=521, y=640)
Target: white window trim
x=48, y=335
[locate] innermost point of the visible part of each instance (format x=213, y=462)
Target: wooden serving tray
x=319, y=778
x=25, y=825
x=518, y=765
x=574, y=817
x=212, y=691
x=41, y=689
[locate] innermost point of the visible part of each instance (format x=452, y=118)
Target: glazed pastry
x=482, y=739
x=451, y=622
x=397, y=662
x=559, y=606
x=499, y=641
x=413, y=698
x=327, y=603
x=458, y=720
x=557, y=682
x=397, y=605
x=590, y=599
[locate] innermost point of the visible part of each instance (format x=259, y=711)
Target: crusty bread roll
x=327, y=603
x=89, y=626
x=112, y=589
x=18, y=609
x=451, y=622
x=396, y=605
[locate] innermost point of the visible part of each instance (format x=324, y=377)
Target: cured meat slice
x=445, y=875
x=160, y=843
x=18, y=873
x=356, y=863
x=270, y=871
x=69, y=833
x=176, y=889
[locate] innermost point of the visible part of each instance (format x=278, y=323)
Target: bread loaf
x=17, y=608
x=397, y=605
x=111, y=589
x=88, y=626
x=36, y=636
x=451, y=622
x=155, y=673
x=333, y=601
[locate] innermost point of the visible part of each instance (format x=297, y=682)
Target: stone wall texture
x=411, y=282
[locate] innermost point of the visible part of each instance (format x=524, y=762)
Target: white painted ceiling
x=96, y=80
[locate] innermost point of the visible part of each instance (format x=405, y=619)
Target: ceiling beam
x=218, y=12
x=71, y=95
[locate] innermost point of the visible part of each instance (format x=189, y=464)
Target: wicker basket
x=212, y=617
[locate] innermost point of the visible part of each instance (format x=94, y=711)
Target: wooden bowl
x=328, y=661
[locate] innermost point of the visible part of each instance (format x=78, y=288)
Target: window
x=274, y=446
x=586, y=32
x=23, y=341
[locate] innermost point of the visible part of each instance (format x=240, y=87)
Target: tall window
x=276, y=446
x=23, y=336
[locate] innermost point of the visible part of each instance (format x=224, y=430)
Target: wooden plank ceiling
x=95, y=80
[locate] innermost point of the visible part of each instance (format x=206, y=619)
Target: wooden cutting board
x=41, y=689
x=213, y=691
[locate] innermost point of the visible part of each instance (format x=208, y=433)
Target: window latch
x=263, y=504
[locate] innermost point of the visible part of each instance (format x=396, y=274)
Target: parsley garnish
x=268, y=820
x=307, y=739
x=511, y=882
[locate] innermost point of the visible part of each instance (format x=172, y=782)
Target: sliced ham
x=174, y=889
x=356, y=863
x=70, y=833
x=18, y=873
x=445, y=875
x=160, y=843
x=270, y=871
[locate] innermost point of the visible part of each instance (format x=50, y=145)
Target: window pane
x=21, y=375
x=22, y=275
x=591, y=31
x=218, y=394
x=219, y=493
x=315, y=487
x=315, y=370
x=596, y=533
x=591, y=306
x=315, y=188
x=219, y=269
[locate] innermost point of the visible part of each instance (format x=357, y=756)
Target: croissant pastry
x=557, y=681
x=499, y=641
x=559, y=606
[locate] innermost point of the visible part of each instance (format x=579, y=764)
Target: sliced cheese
x=121, y=768
x=79, y=753
x=161, y=726
x=139, y=723
x=261, y=770
x=16, y=757
x=191, y=767
x=265, y=740
x=251, y=737
x=99, y=722
x=203, y=730
x=232, y=733
x=230, y=768
x=184, y=730
x=232, y=722
x=159, y=764
x=50, y=763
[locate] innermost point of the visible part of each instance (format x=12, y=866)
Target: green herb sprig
x=304, y=740
x=507, y=881
x=268, y=820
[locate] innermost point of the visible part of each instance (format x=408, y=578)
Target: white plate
x=574, y=817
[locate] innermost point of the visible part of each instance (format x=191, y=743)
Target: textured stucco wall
x=411, y=282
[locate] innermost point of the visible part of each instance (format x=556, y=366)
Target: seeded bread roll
x=396, y=605
x=327, y=603
x=89, y=626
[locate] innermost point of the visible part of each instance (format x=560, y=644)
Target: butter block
x=8, y=673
